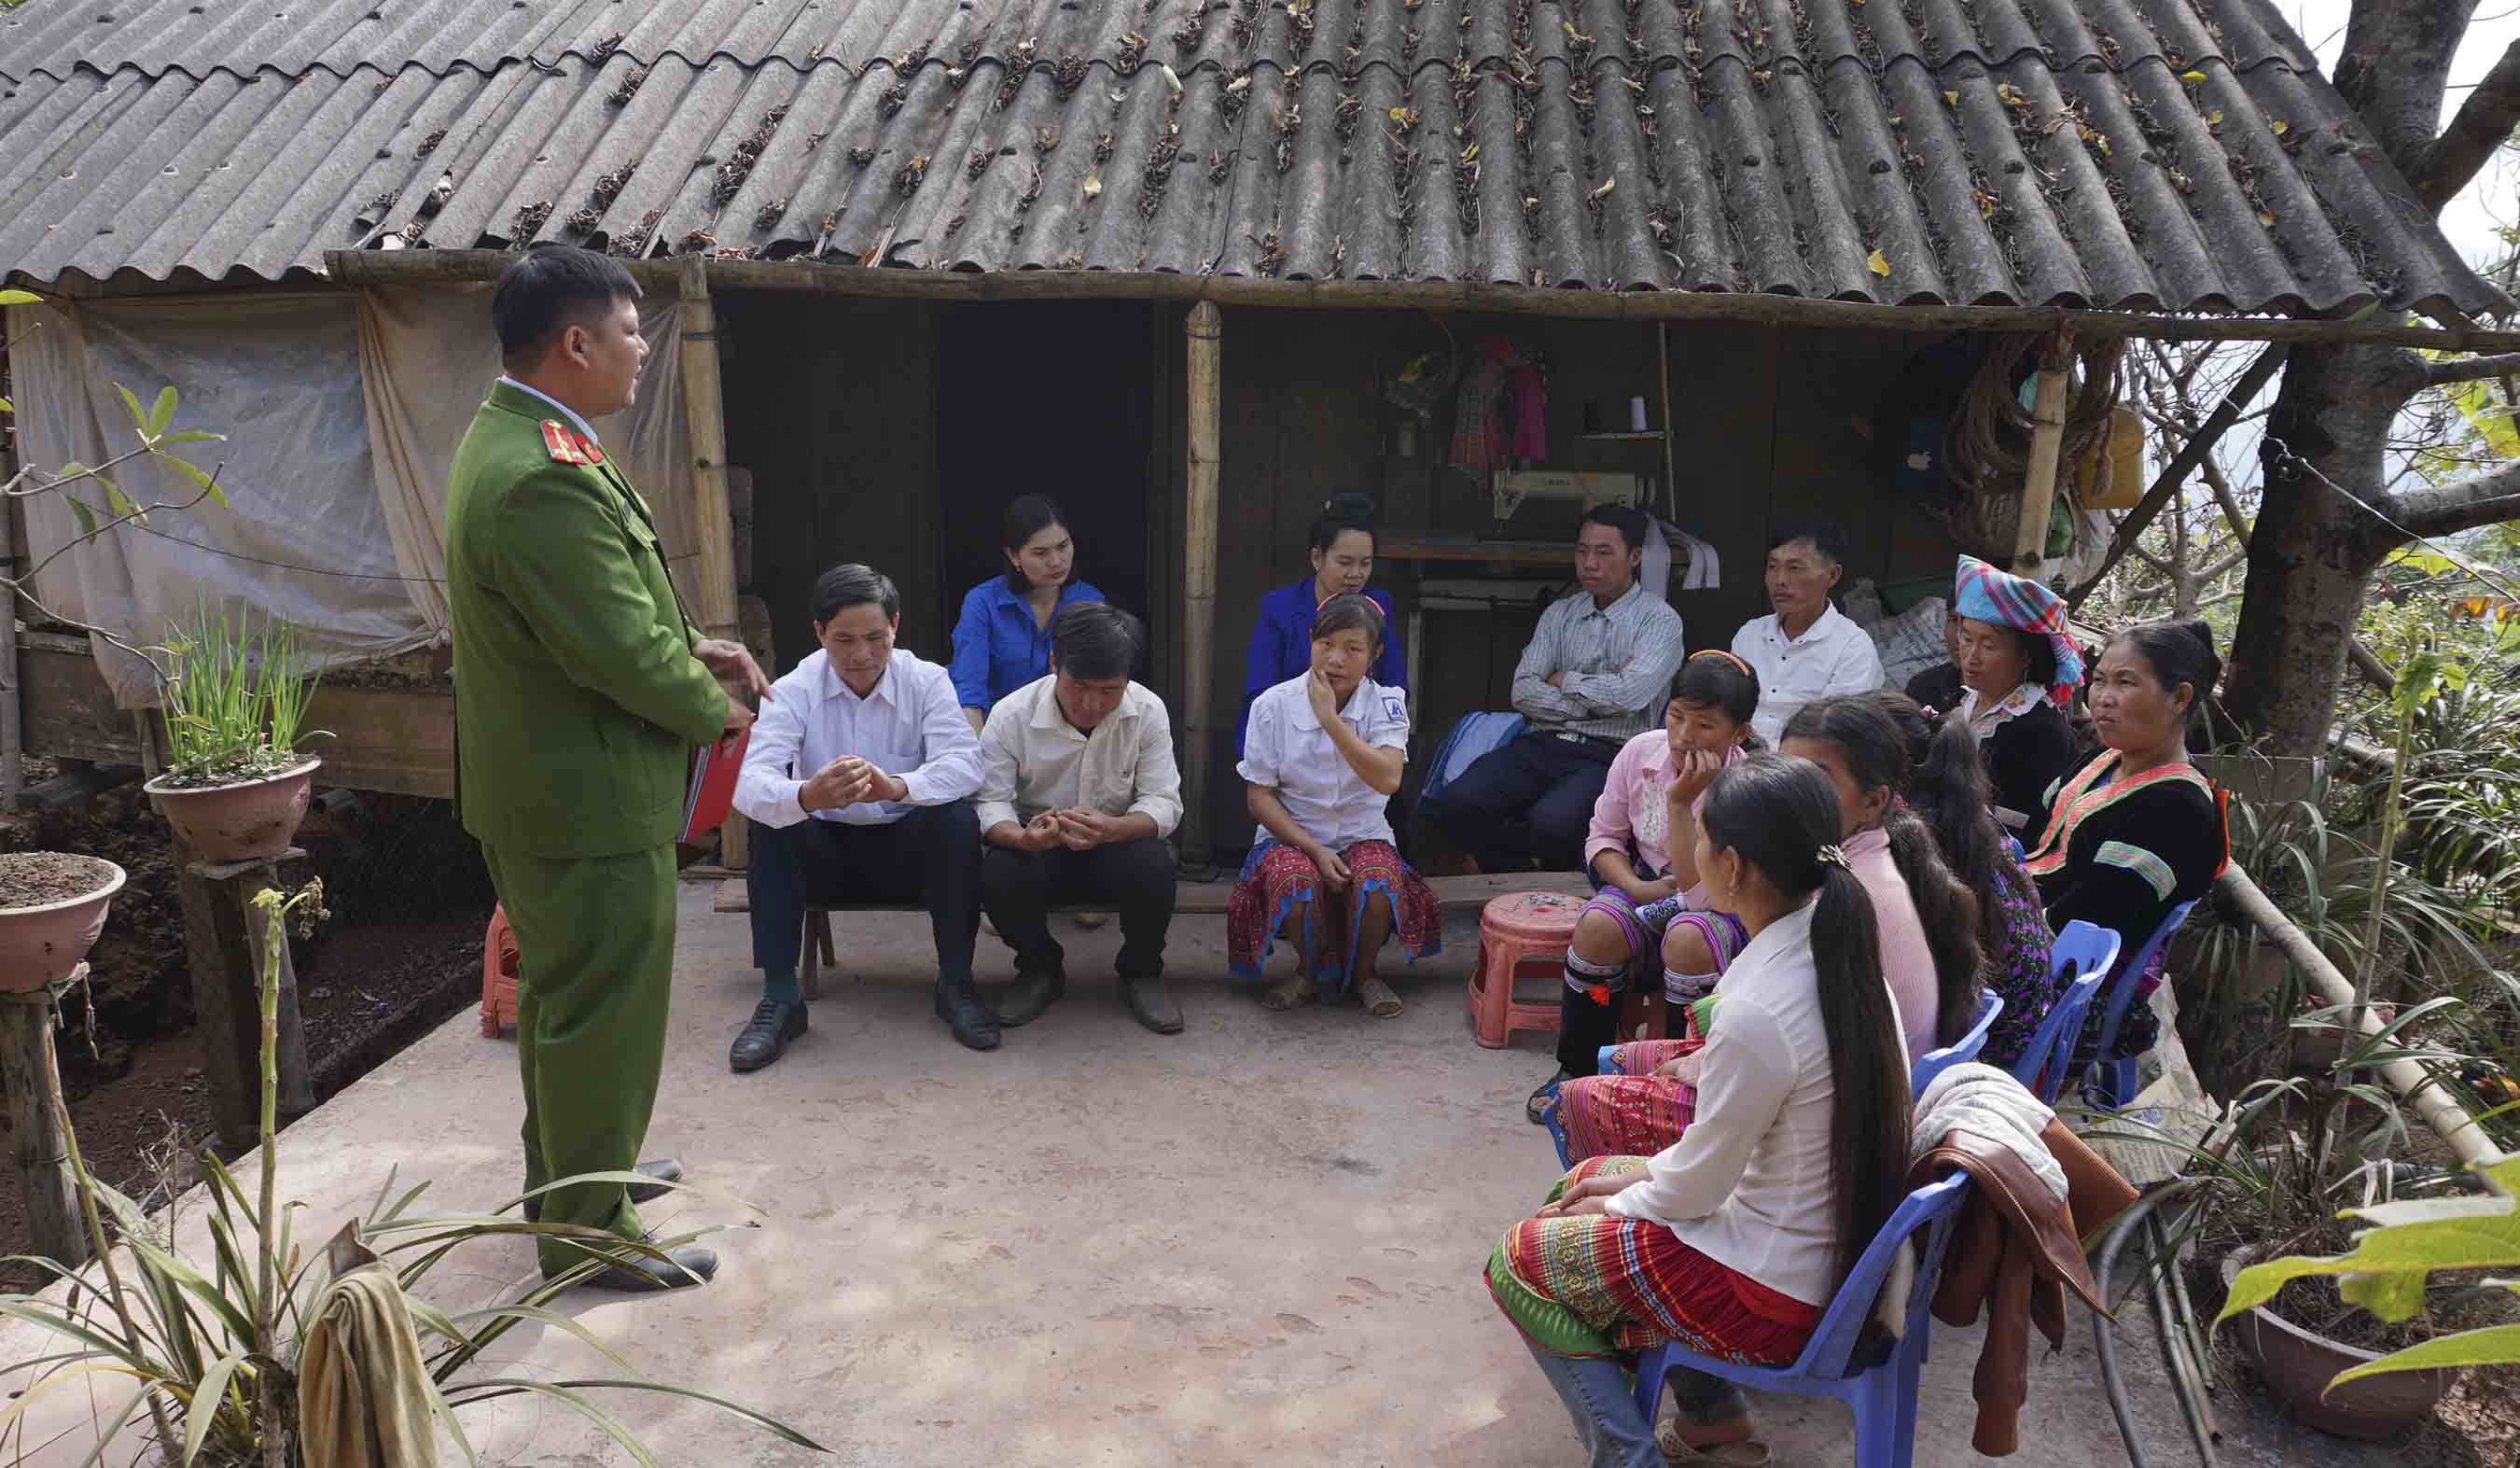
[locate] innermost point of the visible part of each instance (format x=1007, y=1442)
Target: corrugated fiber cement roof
x=2150, y=155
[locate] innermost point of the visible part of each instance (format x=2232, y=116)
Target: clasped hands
x=1592, y=1194
x=1075, y=827
x=849, y=781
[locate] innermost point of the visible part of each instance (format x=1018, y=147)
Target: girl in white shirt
x=1322, y=759
x=1732, y=1240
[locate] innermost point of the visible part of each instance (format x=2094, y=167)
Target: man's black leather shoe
x=691, y=1266
x=1152, y=1001
x=765, y=1037
x=1022, y=1002
x=958, y=1005
x=663, y=1169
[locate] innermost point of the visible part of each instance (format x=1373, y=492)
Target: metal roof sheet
x=1835, y=150
x=199, y=37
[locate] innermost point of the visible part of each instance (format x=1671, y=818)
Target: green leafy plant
x=236, y=694
x=2390, y=1267
x=216, y=1349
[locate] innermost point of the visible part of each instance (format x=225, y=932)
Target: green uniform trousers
x=596, y=939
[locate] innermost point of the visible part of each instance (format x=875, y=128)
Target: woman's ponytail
x=1869, y=1123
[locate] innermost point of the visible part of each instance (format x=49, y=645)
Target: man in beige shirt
x=1078, y=794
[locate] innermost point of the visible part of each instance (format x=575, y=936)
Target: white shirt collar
x=1046, y=715
x=836, y=686
x=1819, y=628
x=1356, y=708
x=581, y=424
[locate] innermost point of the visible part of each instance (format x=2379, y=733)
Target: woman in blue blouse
x=1002, y=642
x=1281, y=640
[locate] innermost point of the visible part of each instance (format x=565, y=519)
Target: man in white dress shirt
x=1808, y=649
x=1078, y=791
x=861, y=781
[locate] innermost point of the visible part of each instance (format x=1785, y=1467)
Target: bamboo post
x=2047, y=441
x=37, y=1141
x=1198, y=574
x=712, y=515
x=13, y=764
x=2430, y=1101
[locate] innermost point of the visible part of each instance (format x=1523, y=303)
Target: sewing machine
x=1514, y=486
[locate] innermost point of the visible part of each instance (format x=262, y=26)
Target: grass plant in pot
x=236, y=786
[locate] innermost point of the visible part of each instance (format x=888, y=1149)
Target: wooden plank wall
x=1766, y=430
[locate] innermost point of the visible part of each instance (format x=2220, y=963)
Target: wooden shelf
x=1651, y=435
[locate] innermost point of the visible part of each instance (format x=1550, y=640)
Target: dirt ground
x=402, y=953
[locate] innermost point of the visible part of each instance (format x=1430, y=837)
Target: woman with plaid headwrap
x=2018, y=670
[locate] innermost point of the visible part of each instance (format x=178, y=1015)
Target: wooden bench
x=1190, y=900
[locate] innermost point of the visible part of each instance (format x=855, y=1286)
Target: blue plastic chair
x=2077, y=966
x=1875, y=1376
x=1923, y=1071
x=2115, y=1078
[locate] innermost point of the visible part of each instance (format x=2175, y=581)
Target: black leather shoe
x=1152, y=1001
x=959, y=1006
x=1022, y=1002
x=663, y=1169
x=765, y=1037
x=691, y=1266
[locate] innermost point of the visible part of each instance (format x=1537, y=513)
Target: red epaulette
x=561, y=444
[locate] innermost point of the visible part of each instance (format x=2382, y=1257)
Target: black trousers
x=1529, y=801
x=1134, y=877
x=930, y=857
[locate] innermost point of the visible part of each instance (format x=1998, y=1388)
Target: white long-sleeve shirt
x=1033, y=759
x=1832, y=656
x=910, y=724
x=1748, y=1183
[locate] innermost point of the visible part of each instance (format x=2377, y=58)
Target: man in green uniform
x=581, y=691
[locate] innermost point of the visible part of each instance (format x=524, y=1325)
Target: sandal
x=1379, y=1000
x=1544, y=1098
x=1729, y=1451
x=1287, y=993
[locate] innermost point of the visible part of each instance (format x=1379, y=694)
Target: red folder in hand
x=712, y=793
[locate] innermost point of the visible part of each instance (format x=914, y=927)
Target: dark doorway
x=1051, y=397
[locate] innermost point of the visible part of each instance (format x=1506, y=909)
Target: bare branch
x=2484, y=120
x=2223, y=564
x=2462, y=505
x=208, y=488
x=2470, y=369
x=2233, y=514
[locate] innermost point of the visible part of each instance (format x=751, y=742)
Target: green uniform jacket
x=577, y=700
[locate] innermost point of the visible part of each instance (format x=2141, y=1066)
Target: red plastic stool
x=1521, y=936
x=498, y=974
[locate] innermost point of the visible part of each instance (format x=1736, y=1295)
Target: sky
x=2494, y=195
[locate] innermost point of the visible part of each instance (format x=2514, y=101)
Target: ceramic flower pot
x=41, y=942
x=245, y=821
x=2298, y=1365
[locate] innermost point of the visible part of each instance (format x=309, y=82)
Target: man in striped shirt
x=1594, y=675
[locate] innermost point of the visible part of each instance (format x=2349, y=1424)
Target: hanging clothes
x=1487, y=431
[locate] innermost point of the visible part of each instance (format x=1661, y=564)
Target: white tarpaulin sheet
x=342, y=413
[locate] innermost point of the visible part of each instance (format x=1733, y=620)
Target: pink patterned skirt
x=1275, y=877
x=1626, y=1111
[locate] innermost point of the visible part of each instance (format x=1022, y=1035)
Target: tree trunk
x=2312, y=549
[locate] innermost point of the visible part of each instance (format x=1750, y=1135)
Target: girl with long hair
x=1002, y=639
x=1734, y=1239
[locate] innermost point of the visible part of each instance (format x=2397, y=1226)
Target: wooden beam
x=37, y=1143
x=76, y=787
x=2252, y=380
x=705, y=411
x=2047, y=441
x=1204, y=405
x=431, y=266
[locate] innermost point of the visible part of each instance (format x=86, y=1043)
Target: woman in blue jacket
x=1002, y=641
x=1281, y=640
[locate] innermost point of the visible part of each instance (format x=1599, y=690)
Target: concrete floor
x=1256, y=1243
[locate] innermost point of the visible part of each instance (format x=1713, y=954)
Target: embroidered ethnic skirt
x=1275, y=877
x=1599, y=1285
x=1626, y=1110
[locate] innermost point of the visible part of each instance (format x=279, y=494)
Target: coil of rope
x=1987, y=446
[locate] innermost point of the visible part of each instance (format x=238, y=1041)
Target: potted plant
x=220, y=1341
x=235, y=787
x=52, y=907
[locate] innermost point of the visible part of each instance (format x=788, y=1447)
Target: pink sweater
x=1907, y=960
x=1632, y=810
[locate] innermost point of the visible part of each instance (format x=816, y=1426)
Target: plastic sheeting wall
x=342, y=413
